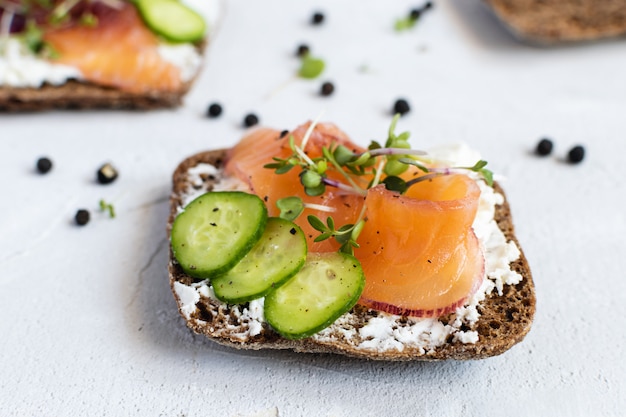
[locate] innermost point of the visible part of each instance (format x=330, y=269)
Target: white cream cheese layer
x=387, y=332
x=20, y=68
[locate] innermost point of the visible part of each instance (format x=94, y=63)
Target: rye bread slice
x=78, y=95
x=505, y=319
x=551, y=21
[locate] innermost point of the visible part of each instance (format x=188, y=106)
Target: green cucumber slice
x=275, y=258
x=326, y=287
x=172, y=20
x=216, y=230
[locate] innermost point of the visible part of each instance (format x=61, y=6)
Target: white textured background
x=88, y=326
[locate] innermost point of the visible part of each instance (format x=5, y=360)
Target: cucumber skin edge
x=351, y=303
x=271, y=288
x=194, y=273
x=140, y=8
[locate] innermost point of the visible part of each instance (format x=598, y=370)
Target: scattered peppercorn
x=214, y=110
x=576, y=154
x=327, y=88
x=107, y=174
x=317, y=18
x=416, y=13
x=401, y=106
x=250, y=120
x=44, y=165
x=82, y=217
x=544, y=147
x=284, y=133
x=303, y=50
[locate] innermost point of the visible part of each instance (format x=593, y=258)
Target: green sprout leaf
x=404, y=23
x=394, y=167
x=342, y=155
x=104, y=206
x=316, y=223
x=310, y=179
x=290, y=207
x=315, y=191
x=89, y=20
x=394, y=183
x=486, y=174
x=311, y=67
x=322, y=237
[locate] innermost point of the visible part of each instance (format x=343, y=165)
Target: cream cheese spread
x=20, y=68
x=388, y=332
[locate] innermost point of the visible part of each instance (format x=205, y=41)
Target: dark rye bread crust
x=550, y=21
x=77, y=95
x=504, y=320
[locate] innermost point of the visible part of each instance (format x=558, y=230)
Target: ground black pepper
x=318, y=18
x=107, y=174
x=250, y=120
x=44, y=165
x=214, y=110
x=303, y=50
x=415, y=14
x=401, y=106
x=576, y=154
x=327, y=88
x=544, y=147
x=82, y=217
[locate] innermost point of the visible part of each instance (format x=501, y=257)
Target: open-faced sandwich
x=82, y=54
x=304, y=240
x=553, y=21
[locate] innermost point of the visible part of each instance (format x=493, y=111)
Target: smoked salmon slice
x=246, y=161
x=418, y=250
x=118, y=51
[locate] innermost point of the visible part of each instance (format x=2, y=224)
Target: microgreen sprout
x=311, y=67
x=104, y=206
x=383, y=164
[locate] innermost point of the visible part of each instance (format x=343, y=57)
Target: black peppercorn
x=82, y=217
x=317, y=18
x=401, y=106
x=428, y=5
x=415, y=14
x=214, y=110
x=327, y=88
x=107, y=174
x=250, y=120
x=544, y=147
x=576, y=154
x=284, y=133
x=44, y=165
x=303, y=50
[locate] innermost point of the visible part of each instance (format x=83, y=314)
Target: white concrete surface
x=88, y=326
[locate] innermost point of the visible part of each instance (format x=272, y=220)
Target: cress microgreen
x=384, y=164
x=104, y=206
x=404, y=23
x=311, y=67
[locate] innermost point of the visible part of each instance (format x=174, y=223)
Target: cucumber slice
x=216, y=230
x=326, y=287
x=275, y=258
x=172, y=20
